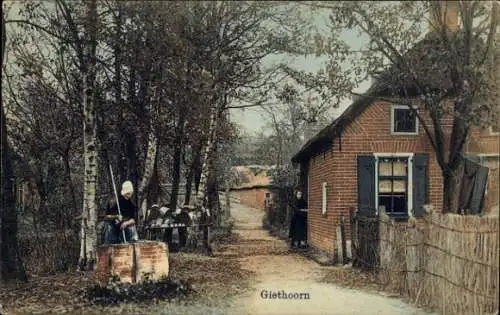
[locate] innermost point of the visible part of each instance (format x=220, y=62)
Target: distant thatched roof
x=429, y=58
x=252, y=176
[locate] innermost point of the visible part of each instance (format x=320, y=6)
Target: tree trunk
x=151, y=153
x=453, y=169
x=227, y=195
x=127, y=153
x=119, y=108
x=154, y=188
x=213, y=196
x=11, y=265
x=192, y=174
x=148, y=170
x=198, y=169
x=176, y=173
x=227, y=190
x=67, y=169
x=189, y=185
x=201, y=191
x=177, y=159
x=88, y=231
x=133, y=168
x=451, y=189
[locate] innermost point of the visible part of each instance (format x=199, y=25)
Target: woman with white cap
x=115, y=223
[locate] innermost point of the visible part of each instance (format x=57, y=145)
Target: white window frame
x=379, y=155
x=492, y=133
x=324, y=198
x=417, y=126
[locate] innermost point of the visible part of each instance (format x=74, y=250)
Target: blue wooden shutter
x=474, y=158
x=366, y=185
x=420, y=184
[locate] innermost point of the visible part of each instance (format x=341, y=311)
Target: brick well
x=132, y=262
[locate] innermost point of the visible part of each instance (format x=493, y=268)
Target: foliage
x=49, y=253
x=115, y=292
x=279, y=213
x=145, y=87
x=144, y=83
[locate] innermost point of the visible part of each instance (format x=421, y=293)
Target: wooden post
x=342, y=235
x=352, y=219
x=338, y=246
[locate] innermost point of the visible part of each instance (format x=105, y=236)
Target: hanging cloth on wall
x=473, y=187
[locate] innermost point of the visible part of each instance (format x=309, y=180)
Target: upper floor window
x=494, y=130
x=403, y=120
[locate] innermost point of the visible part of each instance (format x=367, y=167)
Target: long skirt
x=298, y=226
x=113, y=234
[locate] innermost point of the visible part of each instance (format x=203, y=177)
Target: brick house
x=376, y=155
x=253, y=190
x=364, y=145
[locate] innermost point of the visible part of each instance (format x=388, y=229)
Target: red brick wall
x=254, y=197
x=482, y=142
x=152, y=258
x=492, y=197
x=369, y=133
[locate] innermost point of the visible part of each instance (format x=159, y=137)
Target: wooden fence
x=364, y=240
x=449, y=263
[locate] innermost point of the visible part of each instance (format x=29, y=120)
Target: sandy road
x=278, y=271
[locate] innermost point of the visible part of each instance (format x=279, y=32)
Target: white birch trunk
x=149, y=163
x=148, y=171
x=88, y=231
x=200, y=196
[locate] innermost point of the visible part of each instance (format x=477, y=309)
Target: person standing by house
x=115, y=223
x=298, y=225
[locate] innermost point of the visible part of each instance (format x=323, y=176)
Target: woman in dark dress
x=298, y=225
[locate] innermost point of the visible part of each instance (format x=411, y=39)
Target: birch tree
x=63, y=24
x=88, y=233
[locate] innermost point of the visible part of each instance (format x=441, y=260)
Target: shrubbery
x=278, y=213
x=50, y=253
x=115, y=292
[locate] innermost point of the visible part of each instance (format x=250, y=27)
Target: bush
x=222, y=232
x=115, y=292
x=50, y=253
x=279, y=212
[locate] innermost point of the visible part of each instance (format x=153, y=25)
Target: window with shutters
x=392, y=184
x=403, y=120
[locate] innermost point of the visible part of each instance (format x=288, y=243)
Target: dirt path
x=279, y=270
